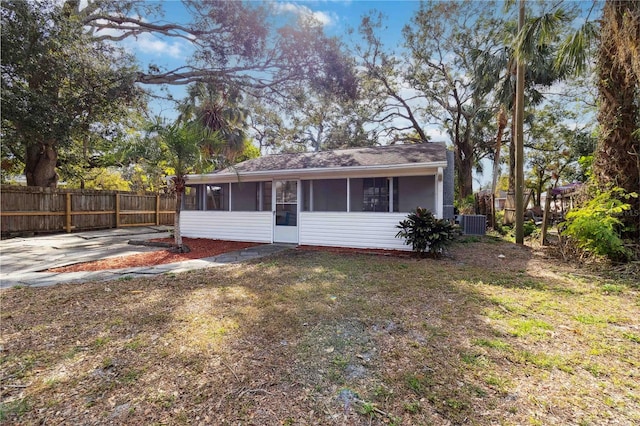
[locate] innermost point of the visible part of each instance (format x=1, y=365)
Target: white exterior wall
x=225, y=225
x=438, y=212
x=353, y=229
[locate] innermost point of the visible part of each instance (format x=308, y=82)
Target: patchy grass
x=309, y=337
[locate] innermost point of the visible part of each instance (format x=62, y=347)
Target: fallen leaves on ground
x=493, y=333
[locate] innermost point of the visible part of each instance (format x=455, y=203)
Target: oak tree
x=52, y=50
x=59, y=87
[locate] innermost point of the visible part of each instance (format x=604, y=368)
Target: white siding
x=232, y=226
x=354, y=229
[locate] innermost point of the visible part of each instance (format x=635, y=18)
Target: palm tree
x=182, y=145
x=548, y=61
x=617, y=158
x=209, y=131
x=218, y=110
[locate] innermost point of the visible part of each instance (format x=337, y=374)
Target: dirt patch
x=200, y=248
x=347, y=250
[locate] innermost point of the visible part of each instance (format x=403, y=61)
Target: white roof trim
x=409, y=169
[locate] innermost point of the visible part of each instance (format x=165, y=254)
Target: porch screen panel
x=305, y=204
x=417, y=191
x=329, y=195
x=266, y=196
x=217, y=196
x=355, y=190
x=191, y=197
x=244, y=196
x=396, y=195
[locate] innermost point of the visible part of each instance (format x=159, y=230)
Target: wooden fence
x=29, y=209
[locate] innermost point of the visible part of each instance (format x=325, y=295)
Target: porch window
x=217, y=196
x=375, y=195
x=372, y=194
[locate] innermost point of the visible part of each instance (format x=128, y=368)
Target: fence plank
x=117, y=210
x=28, y=209
x=157, y=209
x=68, y=212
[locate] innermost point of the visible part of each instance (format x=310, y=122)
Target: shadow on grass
x=298, y=338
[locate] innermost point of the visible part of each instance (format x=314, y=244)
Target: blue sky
x=336, y=17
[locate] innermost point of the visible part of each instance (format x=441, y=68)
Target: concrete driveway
x=24, y=261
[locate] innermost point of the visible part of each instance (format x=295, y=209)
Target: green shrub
x=424, y=232
x=466, y=205
x=529, y=228
x=596, y=227
x=500, y=228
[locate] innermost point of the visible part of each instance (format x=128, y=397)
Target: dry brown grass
x=323, y=338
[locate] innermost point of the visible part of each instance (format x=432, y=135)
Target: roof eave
x=333, y=172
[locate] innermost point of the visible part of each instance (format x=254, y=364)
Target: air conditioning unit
x=473, y=224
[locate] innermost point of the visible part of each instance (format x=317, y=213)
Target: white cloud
x=323, y=18
x=147, y=43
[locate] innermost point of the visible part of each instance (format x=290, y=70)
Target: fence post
x=117, y=210
x=157, y=209
x=68, y=212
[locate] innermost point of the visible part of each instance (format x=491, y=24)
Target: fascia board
x=410, y=169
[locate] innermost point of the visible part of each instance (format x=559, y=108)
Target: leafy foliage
x=596, y=227
x=68, y=89
x=424, y=232
x=616, y=161
x=60, y=89
x=182, y=146
x=442, y=40
x=109, y=179
x=554, y=143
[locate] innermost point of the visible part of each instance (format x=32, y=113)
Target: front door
x=285, y=229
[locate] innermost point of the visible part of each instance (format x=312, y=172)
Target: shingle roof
x=371, y=156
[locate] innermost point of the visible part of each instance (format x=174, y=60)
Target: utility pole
x=519, y=139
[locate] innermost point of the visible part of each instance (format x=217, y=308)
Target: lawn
x=308, y=337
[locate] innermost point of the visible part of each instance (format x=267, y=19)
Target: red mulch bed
x=200, y=247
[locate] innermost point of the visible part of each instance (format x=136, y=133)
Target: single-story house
x=345, y=198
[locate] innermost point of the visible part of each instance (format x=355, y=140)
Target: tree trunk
x=40, y=165
x=464, y=163
x=537, y=197
x=616, y=158
x=512, y=151
x=176, y=222
x=179, y=185
x=502, y=123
